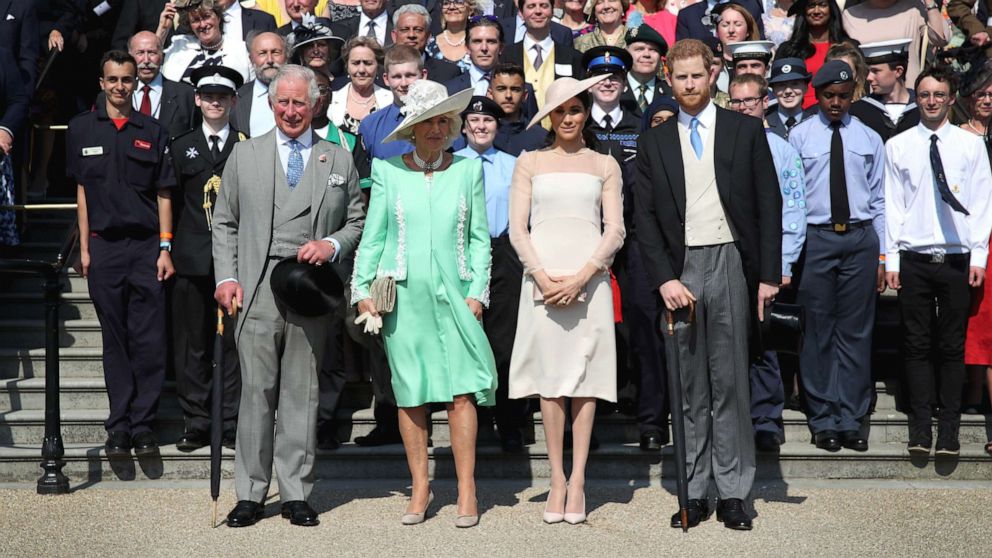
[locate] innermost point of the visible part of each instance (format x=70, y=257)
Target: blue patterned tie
x=695, y=139
x=294, y=170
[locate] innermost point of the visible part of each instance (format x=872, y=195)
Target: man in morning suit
x=312, y=212
x=542, y=57
x=709, y=226
x=198, y=157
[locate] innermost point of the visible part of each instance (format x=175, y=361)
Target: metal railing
x=52, y=480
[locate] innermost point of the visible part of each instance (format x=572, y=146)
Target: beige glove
x=373, y=324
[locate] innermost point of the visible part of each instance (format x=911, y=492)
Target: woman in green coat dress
x=426, y=229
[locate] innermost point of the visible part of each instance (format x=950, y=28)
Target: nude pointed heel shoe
x=576, y=518
x=416, y=518
x=550, y=517
x=466, y=521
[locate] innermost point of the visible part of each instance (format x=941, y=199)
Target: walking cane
x=678, y=418
x=216, y=406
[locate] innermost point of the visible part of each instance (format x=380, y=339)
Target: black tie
x=790, y=122
x=608, y=122
x=840, y=209
x=938, y=174
x=215, y=147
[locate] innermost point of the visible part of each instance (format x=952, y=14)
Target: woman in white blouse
x=360, y=96
x=205, y=46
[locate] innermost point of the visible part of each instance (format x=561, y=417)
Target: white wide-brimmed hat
x=561, y=90
x=426, y=99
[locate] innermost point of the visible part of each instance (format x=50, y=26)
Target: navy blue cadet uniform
x=839, y=276
x=617, y=130
x=121, y=172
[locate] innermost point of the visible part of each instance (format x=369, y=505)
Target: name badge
x=563, y=69
x=142, y=144
x=91, y=151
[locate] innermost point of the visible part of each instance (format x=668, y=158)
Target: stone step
x=31, y=284
x=74, y=362
x=86, y=463
x=28, y=394
x=79, y=426
x=20, y=334
x=30, y=306
x=46, y=250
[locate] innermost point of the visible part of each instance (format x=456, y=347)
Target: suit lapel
x=267, y=164
x=723, y=152
x=671, y=157
x=321, y=159
x=168, y=105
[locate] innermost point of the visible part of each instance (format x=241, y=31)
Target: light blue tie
x=294, y=170
x=695, y=139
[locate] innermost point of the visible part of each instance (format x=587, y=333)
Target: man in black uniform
x=509, y=89
x=116, y=155
x=198, y=157
x=617, y=130
x=891, y=107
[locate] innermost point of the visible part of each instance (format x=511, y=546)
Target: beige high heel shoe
x=576, y=518
x=416, y=518
x=466, y=521
x=551, y=517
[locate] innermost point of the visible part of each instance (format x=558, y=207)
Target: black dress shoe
x=299, y=512
x=229, y=438
x=948, y=443
x=792, y=403
x=767, y=442
x=511, y=440
x=699, y=510
x=852, y=439
x=379, y=437
x=192, y=440
x=827, y=440
x=731, y=513
x=118, y=444
x=245, y=513
x=652, y=441
x=145, y=443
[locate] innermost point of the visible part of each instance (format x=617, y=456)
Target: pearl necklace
x=447, y=40
x=428, y=166
x=353, y=96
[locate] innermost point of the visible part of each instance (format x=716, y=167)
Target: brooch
x=192, y=153
x=323, y=158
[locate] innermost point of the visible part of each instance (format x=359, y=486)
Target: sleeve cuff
x=8, y=130
x=337, y=248
x=892, y=262
x=228, y=280
x=979, y=258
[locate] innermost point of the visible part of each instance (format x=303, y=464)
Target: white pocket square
x=335, y=180
x=10, y=17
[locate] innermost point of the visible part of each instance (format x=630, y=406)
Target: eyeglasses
x=453, y=2
x=985, y=95
x=746, y=101
x=938, y=96
x=476, y=19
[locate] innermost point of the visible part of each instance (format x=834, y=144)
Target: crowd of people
x=476, y=205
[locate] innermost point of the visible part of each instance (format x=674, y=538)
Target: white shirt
x=598, y=113
x=282, y=146
x=635, y=85
x=916, y=218
x=380, y=26
x=261, y=119
x=480, y=85
x=154, y=95
x=233, y=28
x=707, y=119
x=546, y=45
x=185, y=49
x=222, y=135
x=520, y=30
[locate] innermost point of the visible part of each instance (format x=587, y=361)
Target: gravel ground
x=807, y=518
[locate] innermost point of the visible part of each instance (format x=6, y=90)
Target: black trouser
x=500, y=323
x=375, y=362
x=194, y=330
x=331, y=375
x=130, y=303
x=934, y=291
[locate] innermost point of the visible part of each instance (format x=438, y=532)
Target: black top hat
x=783, y=328
x=306, y=289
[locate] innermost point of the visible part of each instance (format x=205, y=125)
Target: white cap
x=747, y=50
x=884, y=51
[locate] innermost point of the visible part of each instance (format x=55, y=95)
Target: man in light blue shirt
x=843, y=270
x=403, y=66
x=500, y=319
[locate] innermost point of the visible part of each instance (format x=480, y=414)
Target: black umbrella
x=216, y=406
x=678, y=419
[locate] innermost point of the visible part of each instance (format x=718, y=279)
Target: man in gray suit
x=301, y=199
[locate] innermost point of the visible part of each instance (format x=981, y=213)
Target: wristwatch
x=931, y=5
x=167, y=246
